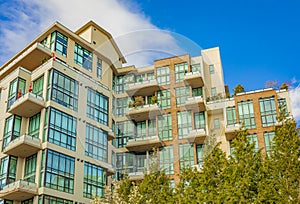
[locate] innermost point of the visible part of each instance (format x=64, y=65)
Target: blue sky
x=258, y=39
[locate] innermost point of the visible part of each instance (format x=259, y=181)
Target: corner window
x=59, y=43
x=16, y=90
x=83, y=57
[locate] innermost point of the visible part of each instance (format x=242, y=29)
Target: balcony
x=196, y=104
x=230, y=131
x=197, y=136
x=19, y=191
x=144, y=88
x=194, y=79
x=136, y=176
x=23, y=146
x=27, y=105
x=144, y=112
x=30, y=59
x=143, y=144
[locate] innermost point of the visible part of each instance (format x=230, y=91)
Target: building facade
x=72, y=117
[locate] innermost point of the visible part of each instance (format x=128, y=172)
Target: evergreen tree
x=281, y=181
x=241, y=177
x=204, y=186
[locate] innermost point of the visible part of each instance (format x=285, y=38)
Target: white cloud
x=295, y=102
x=139, y=40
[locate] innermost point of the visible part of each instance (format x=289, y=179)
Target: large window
x=246, y=114
x=12, y=129
x=197, y=91
x=180, y=70
x=121, y=106
x=182, y=94
x=267, y=111
x=94, y=181
x=125, y=131
x=58, y=171
x=8, y=167
x=63, y=89
x=268, y=137
x=121, y=82
x=16, y=90
x=163, y=75
x=53, y=200
x=59, y=43
x=199, y=120
x=186, y=154
x=83, y=57
x=124, y=163
x=195, y=68
x=230, y=115
x=96, y=143
x=38, y=86
x=61, y=128
x=30, y=168
x=97, y=106
x=166, y=159
x=164, y=98
x=130, y=163
x=165, y=126
x=99, y=68
x=140, y=129
x=34, y=125
x=253, y=139
x=184, y=123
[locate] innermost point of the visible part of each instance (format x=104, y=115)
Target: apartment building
x=72, y=116
x=177, y=105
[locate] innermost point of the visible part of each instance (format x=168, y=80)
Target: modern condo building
x=72, y=116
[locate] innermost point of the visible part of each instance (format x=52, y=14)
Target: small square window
x=211, y=69
x=216, y=123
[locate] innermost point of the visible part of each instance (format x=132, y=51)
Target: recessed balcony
x=19, y=191
x=144, y=112
x=194, y=79
x=197, y=136
x=195, y=103
x=27, y=105
x=230, y=131
x=136, y=176
x=143, y=144
x=23, y=146
x=143, y=88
